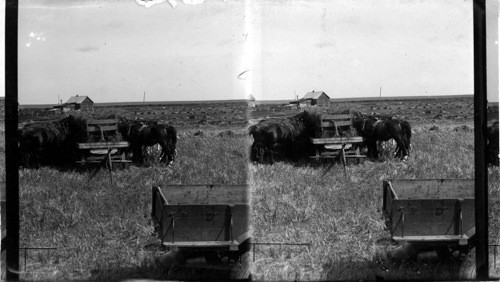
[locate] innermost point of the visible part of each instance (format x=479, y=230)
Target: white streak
x=173, y=3
x=193, y=2
x=149, y=3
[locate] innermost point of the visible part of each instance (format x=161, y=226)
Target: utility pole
x=144, y=98
x=380, y=93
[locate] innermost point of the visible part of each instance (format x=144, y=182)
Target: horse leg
x=372, y=149
x=137, y=154
x=397, y=152
x=402, y=146
x=166, y=153
x=375, y=151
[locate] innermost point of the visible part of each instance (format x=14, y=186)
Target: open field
x=103, y=231
x=342, y=219
x=181, y=116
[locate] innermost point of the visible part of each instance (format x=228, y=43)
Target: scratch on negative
x=242, y=75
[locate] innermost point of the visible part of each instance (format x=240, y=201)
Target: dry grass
x=342, y=219
x=105, y=232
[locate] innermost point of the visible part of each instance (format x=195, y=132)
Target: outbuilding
x=313, y=98
x=83, y=103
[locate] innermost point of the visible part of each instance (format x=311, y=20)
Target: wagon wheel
x=242, y=268
x=467, y=269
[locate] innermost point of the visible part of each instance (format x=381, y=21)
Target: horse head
x=75, y=127
x=311, y=123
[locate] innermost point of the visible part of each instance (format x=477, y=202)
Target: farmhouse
x=313, y=98
x=74, y=103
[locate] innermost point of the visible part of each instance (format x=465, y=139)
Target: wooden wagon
x=102, y=151
x=208, y=221
x=336, y=146
x=432, y=214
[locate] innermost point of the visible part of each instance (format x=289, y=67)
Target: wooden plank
x=102, y=121
x=324, y=157
x=327, y=124
x=337, y=140
x=201, y=244
x=103, y=151
x=435, y=238
x=433, y=188
x=103, y=145
x=232, y=245
x=205, y=194
x=100, y=161
x=355, y=156
x=335, y=117
x=340, y=123
x=92, y=128
x=338, y=146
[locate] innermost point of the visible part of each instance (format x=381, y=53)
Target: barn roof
x=314, y=95
x=78, y=99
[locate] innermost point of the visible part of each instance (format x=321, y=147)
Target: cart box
x=429, y=210
x=201, y=216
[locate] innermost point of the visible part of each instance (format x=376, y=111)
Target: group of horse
x=56, y=143
x=290, y=137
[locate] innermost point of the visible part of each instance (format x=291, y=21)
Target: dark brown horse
x=374, y=129
x=283, y=138
x=48, y=143
x=141, y=135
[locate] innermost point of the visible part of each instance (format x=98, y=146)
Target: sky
x=115, y=50
x=352, y=48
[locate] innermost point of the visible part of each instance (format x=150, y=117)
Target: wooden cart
x=210, y=221
x=102, y=150
x=432, y=214
x=337, y=146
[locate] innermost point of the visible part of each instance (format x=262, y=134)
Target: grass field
x=342, y=219
x=105, y=232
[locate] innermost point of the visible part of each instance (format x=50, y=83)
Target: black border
x=11, y=152
x=480, y=127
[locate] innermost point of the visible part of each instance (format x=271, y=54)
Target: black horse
x=374, y=129
x=49, y=143
x=492, y=144
x=283, y=138
x=140, y=135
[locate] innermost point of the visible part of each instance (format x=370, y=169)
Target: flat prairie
x=342, y=218
x=103, y=231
